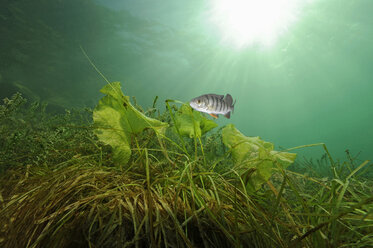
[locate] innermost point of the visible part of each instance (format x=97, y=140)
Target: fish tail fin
x=232, y=107
x=228, y=100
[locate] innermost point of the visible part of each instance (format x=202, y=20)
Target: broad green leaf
x=192, y=123
x=116, y=120
x=254, y=158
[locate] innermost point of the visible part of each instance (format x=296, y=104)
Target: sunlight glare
x=243, y=22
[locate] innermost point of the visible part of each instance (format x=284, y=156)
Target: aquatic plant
x=174, y=190
x=255, y=159
x=191, y=123
x=116, y=121
x=29, y=135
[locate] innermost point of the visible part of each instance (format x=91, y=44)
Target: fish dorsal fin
x=217, y=96
x=228, y=100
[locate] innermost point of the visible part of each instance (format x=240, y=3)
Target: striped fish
x=213, y=104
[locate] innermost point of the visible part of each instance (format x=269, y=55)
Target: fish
x=213, y=104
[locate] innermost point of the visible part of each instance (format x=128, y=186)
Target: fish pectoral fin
x=213, y=115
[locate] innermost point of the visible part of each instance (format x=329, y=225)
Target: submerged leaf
x=192, y=123
x=254, y=158
x=116, y=119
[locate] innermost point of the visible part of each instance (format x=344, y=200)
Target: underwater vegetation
x=135, y=178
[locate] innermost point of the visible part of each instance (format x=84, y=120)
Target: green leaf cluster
x=254, y=158
x=192, y=123
x=117, y=121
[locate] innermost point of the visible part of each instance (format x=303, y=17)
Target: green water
x=312, y=85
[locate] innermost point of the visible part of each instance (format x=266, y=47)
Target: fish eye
x=198, y=101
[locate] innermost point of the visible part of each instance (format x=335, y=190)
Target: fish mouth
x=193, y=105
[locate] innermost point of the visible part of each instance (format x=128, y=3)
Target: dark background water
x=314, y=84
